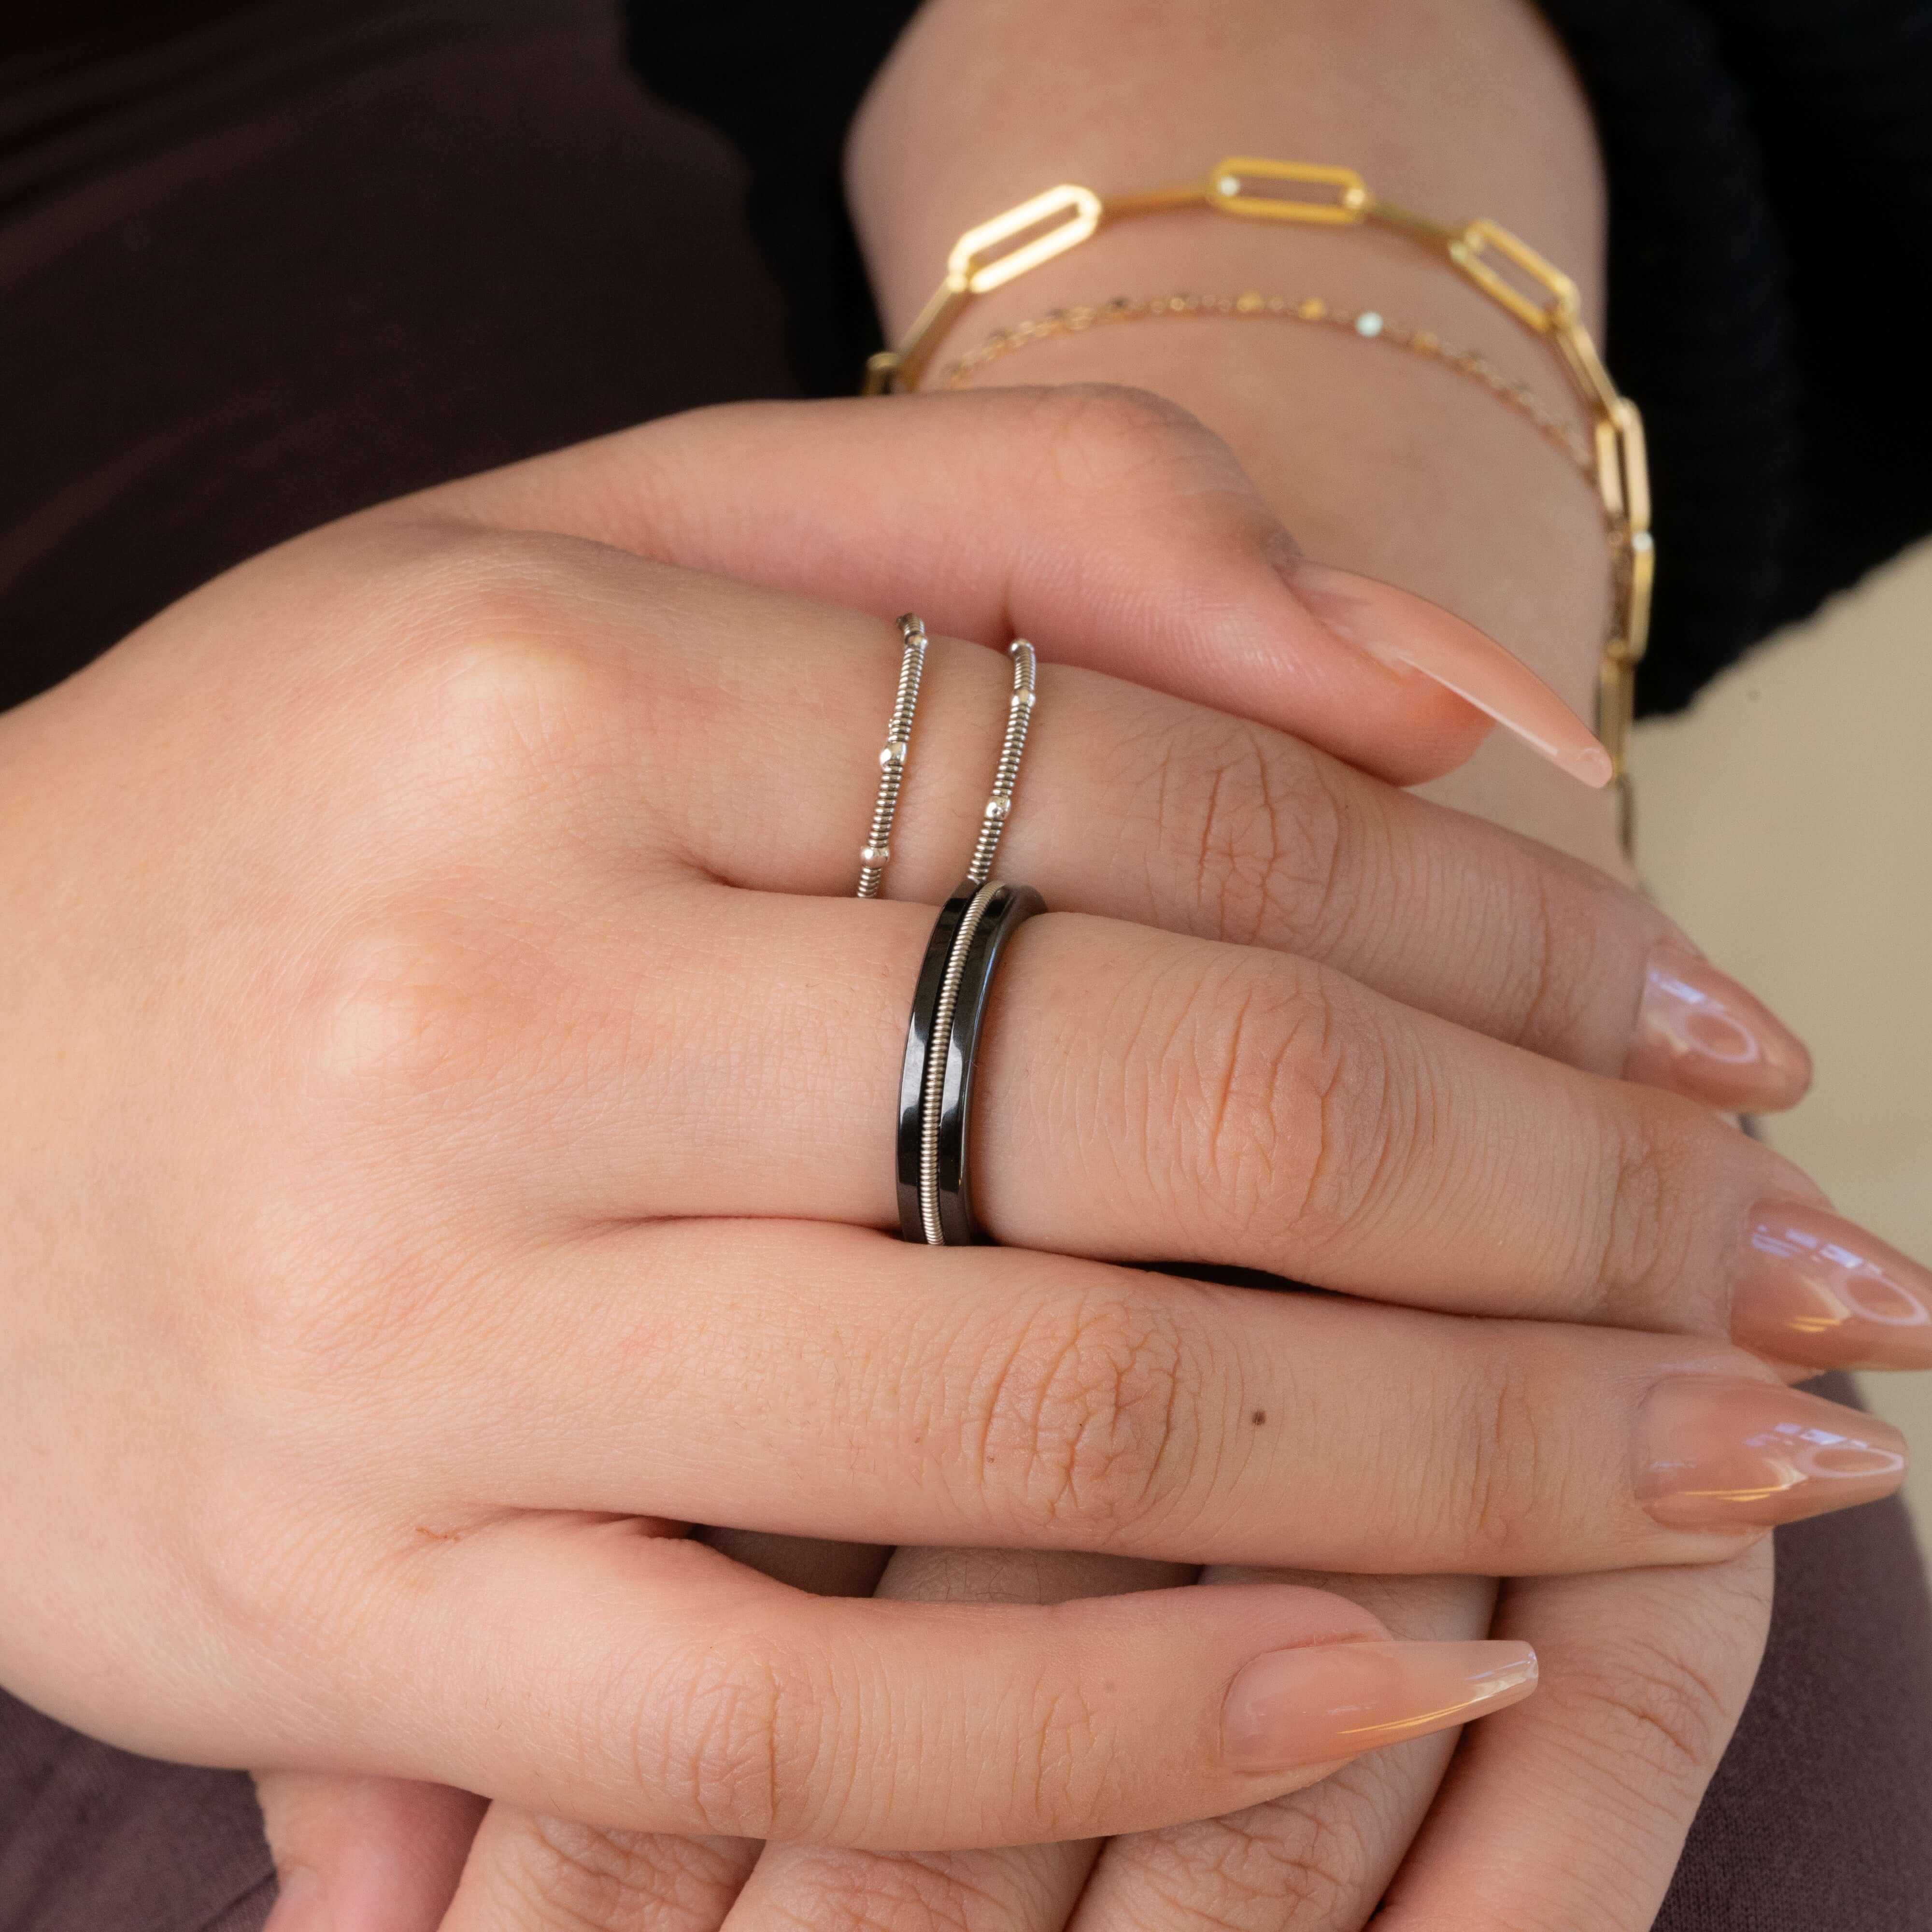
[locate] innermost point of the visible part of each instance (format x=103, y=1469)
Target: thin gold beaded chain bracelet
x=1536, y=295
x=1369, y=325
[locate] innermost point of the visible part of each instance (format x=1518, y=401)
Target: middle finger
x=1143, y=1095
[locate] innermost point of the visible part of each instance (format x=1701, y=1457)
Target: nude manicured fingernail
x=1325, y=1702
x=1715, y=1454
x=1700, y=1033
x=1815, y=1289
x=300, y=1905
x=1397, y=627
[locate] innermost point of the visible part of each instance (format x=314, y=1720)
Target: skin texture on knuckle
x=496, y=689
x=1649, y=1708
x=914, y=1891
x=554, y=1875
x=707, y=1731
x=1249, y=822
x=1658, y=1262
x=757, y=1736
x=1566, y=962
x=1278, y=1112
x=403, y=1006
x=1257, y=1871
x=1508, y=1466
x=1086, y=1414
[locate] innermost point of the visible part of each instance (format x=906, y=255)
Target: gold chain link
x=1537, y=295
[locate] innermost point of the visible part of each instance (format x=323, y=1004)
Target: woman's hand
x=1329, y=1851
x=409, y=737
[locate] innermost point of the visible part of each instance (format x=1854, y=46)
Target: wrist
x=1374, y=459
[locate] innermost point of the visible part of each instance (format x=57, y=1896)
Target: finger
x=594, y=1670
x=380, y=1854
x=1318, y=1860
x=1577, y=1819
x=528, y=1873
x=1106, y=523
x=1304, y=1862
x=1013, y=1890
x=817, y=1380
x=531, y=1873
x=1142, y=1097
x=747, y=731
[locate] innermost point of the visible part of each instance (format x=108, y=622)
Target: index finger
x=1106, y=523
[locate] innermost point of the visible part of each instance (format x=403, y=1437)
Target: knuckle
x=398, y=1011
x=1557, y=979
x=565, y=1877
x=1648, y=1709
x=1667, y=1719
x=736, y=1735
x=1299, y=1862
x=498, y=695
x=1278, y=1108
x=1516, y=1478
x=1252, y=824
x=1068, y=1769
x=708, y=1737
x=1089, y=1417
x=933, y=1892
x=1658, y=1182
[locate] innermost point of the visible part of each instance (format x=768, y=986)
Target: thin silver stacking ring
x=949, y=1007
x=1019, y=713
x=876, y=854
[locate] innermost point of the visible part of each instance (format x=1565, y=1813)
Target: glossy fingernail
x=1815, y=1289
x=1325, y=1702
x=1397, y=627
x=1700, y=1033
x=300, y=1904
x=1716, y=1453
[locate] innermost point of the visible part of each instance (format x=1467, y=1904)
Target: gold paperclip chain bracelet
x=1539, y=297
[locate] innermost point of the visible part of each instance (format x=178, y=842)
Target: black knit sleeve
x=1770, y=170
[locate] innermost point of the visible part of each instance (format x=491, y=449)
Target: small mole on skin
x=1259, y=1416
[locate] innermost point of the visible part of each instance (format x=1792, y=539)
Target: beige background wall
x=1786, y=822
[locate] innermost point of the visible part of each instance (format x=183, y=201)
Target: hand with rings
x=458, y=1152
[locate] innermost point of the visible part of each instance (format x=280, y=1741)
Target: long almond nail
x=1700, y=1033
x=1397, y=627
x=1715, y=1453
x=1325, y=1702
x=1817, y=1290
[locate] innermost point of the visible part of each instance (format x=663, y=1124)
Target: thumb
x=363, y=1854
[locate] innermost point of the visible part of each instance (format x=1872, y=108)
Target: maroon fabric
x=94, y=1841
x=260, y=265
x=296, y=257
x=1819, y=1818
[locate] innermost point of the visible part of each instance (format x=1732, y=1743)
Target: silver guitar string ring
x=876, y=854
